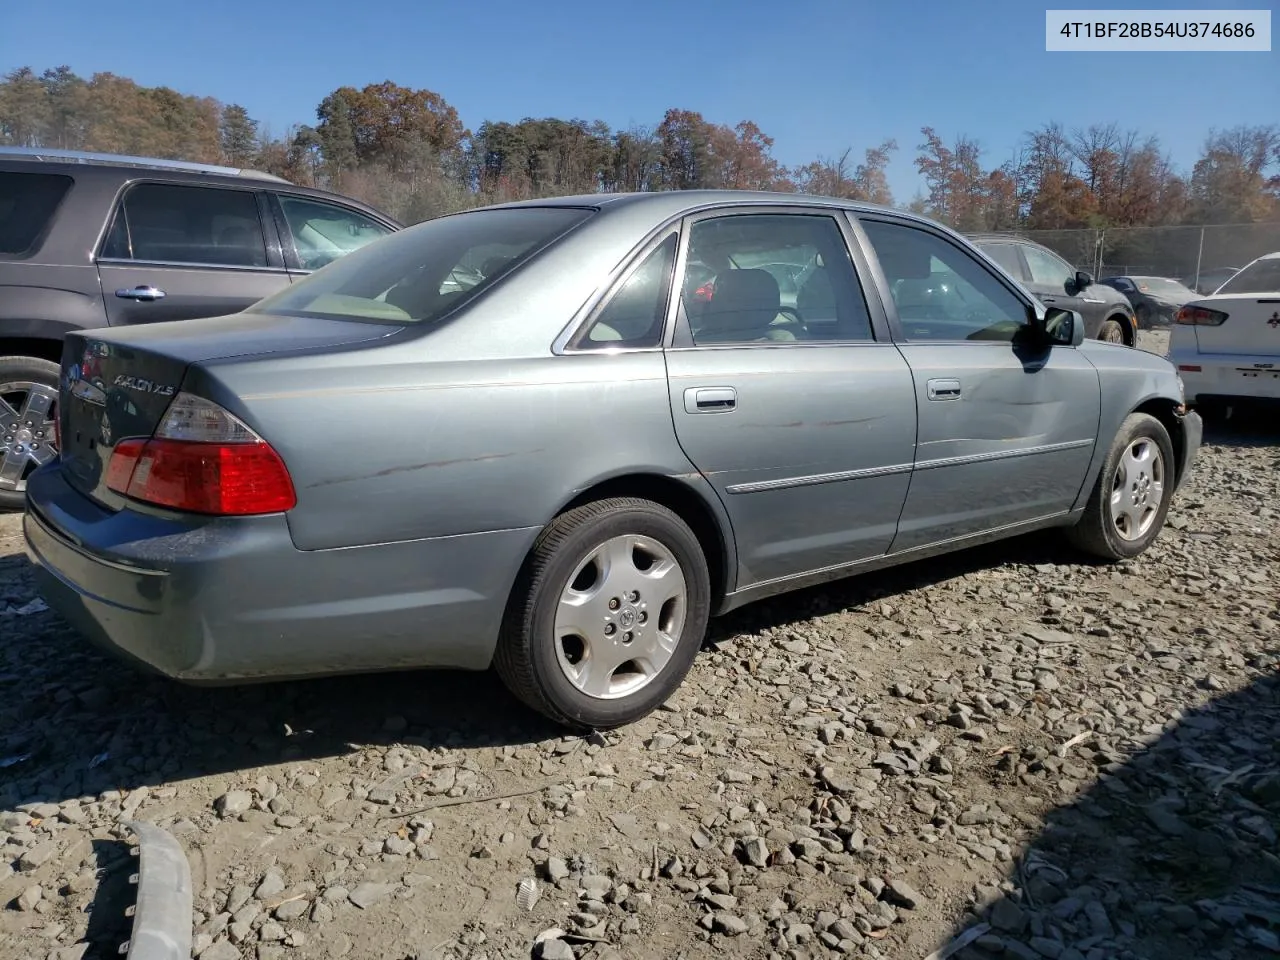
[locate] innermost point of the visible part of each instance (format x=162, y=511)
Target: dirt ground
x=1042, y=756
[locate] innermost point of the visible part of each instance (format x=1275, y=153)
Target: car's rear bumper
x=229, y=600
x=1215, y=375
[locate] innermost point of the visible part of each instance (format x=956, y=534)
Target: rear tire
x=607, y=615
x=1111, y=332
x=28, y=402
x=1128, y=504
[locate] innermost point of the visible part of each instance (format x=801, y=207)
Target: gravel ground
x=1008, y=747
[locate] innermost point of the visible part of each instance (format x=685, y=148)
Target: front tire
x=607, y=615
x=1129, y=501
x=28, y=409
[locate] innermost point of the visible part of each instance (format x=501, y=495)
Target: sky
x=818, y=76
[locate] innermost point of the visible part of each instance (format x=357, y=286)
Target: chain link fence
x=1195, y=255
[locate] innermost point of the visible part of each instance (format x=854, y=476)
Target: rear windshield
x=1162, y=287
x=1261, y=276
x=27, y=204
x=419, y=274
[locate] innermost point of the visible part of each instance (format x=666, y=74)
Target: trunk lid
x=118, y=383
x=1252, y=327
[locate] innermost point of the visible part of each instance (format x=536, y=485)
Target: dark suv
x=91, y=240
x=1107, y=313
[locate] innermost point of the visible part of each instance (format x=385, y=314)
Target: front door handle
x=944, y=389
x=710, y=399
x=1048, y=299
x=144, y=292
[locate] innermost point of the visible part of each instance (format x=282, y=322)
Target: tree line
x=408, y=152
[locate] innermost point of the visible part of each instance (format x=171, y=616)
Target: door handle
x=944, y=389
x=144, y=292
x=710, y=399
x=1048, y=299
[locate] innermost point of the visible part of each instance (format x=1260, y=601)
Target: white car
x=1227, y=346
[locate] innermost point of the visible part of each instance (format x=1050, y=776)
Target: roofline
x=700, y=197
x=123, y=160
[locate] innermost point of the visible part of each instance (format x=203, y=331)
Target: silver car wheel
x=1111, y=332
x=620, y=617
x=1137, y=489
x=27, y=414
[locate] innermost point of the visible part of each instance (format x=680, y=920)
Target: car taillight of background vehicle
x=1200, y=317
x=201, y=459
x=706, y=291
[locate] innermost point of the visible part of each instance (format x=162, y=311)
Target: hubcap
x=1137, y=489
x=28, y=411
x=620, y=617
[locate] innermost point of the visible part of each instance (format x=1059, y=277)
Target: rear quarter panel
x=56, y=288
x=38, y=300
x=1128, y=378
x=383, y=447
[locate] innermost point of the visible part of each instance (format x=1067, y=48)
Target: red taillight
x=120, y=467
x=1189, y=367
x=706, y=291
x=202, y=460
x=1199, y=317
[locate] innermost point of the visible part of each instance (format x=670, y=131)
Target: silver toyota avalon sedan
x=557, y=436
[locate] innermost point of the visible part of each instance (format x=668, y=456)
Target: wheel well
x=1129, y=327
x=40, y=347
x=685, y=503
x=1164, y=411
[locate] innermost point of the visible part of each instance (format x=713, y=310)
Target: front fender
x=1129, y=380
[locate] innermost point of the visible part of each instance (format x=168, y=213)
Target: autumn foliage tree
x=866, y=182
x=407, y=151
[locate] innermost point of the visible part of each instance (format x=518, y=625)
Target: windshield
x=419, y=274
x=1261, y=276
x=1161, y=287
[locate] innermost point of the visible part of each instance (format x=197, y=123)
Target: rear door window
x=178, y=224
x=777, y=278
x=1048, y=269
x=1005, y=254
x=28, y=202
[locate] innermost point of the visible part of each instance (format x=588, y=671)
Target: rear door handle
x=144, y=292
x=710, y=399
x=944, y=389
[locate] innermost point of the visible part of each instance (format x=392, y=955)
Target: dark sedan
x=1155, y=299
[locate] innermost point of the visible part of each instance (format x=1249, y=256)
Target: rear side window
x=634, y=314
x=419, y=274
x=27, y=204
x=168, y=223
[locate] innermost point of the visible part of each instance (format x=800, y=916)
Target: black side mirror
x=1063, y=328
x=1083, y=279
